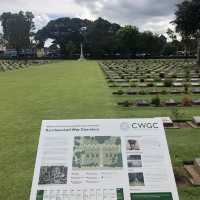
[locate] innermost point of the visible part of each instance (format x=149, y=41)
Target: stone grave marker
x=196, y=101
x=195, y=84
x=194, y=172
x=196, y=90
x=196, y=120
x=159, y=84
x=171, y=102
x=177, y=84
x=197, y=165
x=167, y=122
x=142, y=103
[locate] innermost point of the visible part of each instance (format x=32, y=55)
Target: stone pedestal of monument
x=82, y=54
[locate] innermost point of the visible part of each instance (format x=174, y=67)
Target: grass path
x=62, y=90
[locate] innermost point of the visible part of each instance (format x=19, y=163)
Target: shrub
x=186, y=101
x=142, y=92
x=142, y=80
x=157, y=79
x=174, y=76
x=162, y=75
x=156, y=101
x=168, y=83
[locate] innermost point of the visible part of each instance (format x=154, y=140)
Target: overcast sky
x=153, y=15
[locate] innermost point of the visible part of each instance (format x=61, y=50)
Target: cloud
x=41, y=20
x=153, y=15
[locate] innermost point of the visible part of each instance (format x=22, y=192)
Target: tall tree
x=2, y=41
x=150, y=43
x=17, y=29
x=174, y=44
x=188, y=21
x=127, y=38
x=171, y=34
x=100, y=37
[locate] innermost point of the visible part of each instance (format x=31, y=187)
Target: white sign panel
x=114, y=159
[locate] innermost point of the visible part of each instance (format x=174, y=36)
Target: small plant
x=156, y=101
x=187, y=73
x=142, y=92
x=150, y=85
x=176, y=114
x=120, y=92
x=157, y=79
x=168, y=83
x=132, y=83
x=126, y=104
x=163, y=92
x=186, y=88
x=174, y=76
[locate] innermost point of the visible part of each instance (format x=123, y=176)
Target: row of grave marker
x=156, y=91
x=170, y=102
x=169, y=123
x=6, y=65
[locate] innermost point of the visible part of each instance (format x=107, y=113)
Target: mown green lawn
x=64, y=90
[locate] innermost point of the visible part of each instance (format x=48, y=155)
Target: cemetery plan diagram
x=99, y=152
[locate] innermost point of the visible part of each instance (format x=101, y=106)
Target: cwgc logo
x=125, y=126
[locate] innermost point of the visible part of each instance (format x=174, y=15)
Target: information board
x=103, y=159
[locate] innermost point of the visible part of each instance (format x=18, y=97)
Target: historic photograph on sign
x=134, y=161
x=132, y=145
x=40, y=195
x=99, y=152
x=53, y=175
x=136, y=179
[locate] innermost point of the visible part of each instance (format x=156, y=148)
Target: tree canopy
x=64, y=31
x=100, y=37
x=188, y=18
x=188, y=22
x=17, y=29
